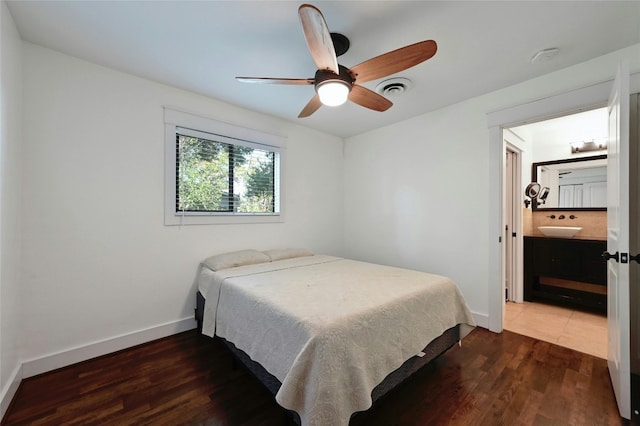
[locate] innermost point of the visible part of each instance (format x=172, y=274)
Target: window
x=219, y=173
x=222, y=177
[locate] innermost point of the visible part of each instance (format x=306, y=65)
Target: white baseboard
x=482, y=320
x=10, y=390
x=61, y=359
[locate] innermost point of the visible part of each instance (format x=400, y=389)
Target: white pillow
x=235, y=258
x=287, y=253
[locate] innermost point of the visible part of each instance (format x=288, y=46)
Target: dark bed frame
x=434, y=349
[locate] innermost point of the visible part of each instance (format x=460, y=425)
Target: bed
x=327, y=335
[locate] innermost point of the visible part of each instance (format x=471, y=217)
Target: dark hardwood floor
x=186, y=379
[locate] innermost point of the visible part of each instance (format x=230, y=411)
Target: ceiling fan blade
x=267, y=80
x=313, y=105
x=369, y=99
x=394, y=61
x=318, y=38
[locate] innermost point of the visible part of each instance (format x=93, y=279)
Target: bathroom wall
x=593, y=223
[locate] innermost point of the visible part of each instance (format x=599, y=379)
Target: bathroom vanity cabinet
x=568, y=271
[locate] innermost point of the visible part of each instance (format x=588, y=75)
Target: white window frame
x=176, y=121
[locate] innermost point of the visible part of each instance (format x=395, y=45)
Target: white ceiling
x=584, y=126
x=202, y=45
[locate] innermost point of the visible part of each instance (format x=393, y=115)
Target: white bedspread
x=330, y=329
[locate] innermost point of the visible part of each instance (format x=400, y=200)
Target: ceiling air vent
x=393, y=87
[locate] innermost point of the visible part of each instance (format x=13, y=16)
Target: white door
x=594, y=194
x=514, y=275
x=509, y=227
x=618, y=353
x=567, y=196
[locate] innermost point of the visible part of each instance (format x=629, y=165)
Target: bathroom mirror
x=574, y=184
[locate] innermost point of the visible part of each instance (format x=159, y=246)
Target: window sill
x=221, y=219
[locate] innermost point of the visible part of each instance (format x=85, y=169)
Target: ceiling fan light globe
x=333, y=93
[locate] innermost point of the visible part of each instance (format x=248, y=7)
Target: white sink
x=559, y=231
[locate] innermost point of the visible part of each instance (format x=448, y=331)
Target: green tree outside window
x=220, y=177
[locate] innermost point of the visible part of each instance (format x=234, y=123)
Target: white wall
x=10, y=142
x=98, y=261
x=418, y=193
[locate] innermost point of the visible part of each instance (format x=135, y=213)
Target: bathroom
x=557, y=292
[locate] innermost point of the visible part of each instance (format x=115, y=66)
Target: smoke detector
x=394, y=86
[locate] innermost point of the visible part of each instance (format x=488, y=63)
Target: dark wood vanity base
x=566, y=271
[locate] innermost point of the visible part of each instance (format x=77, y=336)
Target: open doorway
x=582, y=99
x=564, y=139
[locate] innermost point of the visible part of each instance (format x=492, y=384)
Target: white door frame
x=584, y=99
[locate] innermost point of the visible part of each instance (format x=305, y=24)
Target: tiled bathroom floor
x=583, y=331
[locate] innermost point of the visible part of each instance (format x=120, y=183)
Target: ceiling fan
x=334, y=83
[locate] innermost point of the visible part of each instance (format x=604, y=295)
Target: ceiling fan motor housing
x=325, y=76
